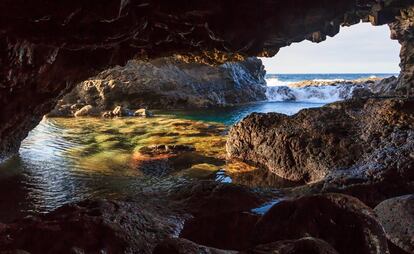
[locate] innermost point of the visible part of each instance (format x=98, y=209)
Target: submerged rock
x=344, y=222
x=366, y=139
x=397, y=217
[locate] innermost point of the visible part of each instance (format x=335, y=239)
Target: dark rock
x=183, y=246
x=342, y=221
x=230, y=231
x=92, y=227
x=206, y=198
x=354, y=140
x=402, y=30
x=397, y=217
x=300, y=246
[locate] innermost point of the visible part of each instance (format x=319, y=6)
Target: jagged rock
x=344, y=222
x=359, y=140
x=397, y=217
x=171, y=83
x=402, y=30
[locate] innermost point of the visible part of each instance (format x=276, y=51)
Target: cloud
x=361, y=48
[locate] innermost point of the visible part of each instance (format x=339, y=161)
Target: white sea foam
x=314, y=94
x=277, y=82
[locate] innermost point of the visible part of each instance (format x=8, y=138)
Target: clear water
x=232, y=115
x=67, y=160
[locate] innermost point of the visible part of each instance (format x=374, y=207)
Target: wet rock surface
x=397, y=217
x=169, y=83
x=355, y=140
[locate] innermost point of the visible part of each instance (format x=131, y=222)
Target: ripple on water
x=65, y=160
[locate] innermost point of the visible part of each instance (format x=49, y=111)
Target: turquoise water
x=232, y=115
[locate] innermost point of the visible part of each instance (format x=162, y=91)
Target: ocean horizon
x=285, y=79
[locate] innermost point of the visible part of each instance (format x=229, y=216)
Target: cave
x=339, y=169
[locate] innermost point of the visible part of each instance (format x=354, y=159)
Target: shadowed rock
x=300, y=246
x=342, y=221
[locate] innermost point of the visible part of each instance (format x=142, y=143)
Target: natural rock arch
x=47, y=47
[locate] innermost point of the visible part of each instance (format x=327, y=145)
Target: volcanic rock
x=365, y=139
x=171, y=83
x=397, y=217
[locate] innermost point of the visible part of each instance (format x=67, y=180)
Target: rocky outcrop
x=47, y=48
x=397, y=217
x=329, y=91
x=169, y=83
x=364, y=139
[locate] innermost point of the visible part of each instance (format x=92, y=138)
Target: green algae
x=110, y=145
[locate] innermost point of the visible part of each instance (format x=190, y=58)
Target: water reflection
x=68, y=160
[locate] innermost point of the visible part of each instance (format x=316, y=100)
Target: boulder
x=364, y=140
x=342, y=221
x=87, y=110
x=397, y=217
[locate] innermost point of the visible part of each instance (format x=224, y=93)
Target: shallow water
x=65, y=160
x=231, y=115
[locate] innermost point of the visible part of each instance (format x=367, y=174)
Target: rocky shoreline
x=165, y=83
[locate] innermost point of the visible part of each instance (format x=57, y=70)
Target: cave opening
x=165, y=133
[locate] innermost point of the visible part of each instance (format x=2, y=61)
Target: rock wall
x=403, y=31
x=168, y=83
x=47, y=47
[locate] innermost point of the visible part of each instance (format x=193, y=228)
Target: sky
x=361, y=48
